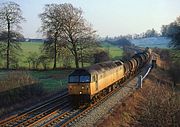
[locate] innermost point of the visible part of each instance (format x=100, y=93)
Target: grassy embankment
x=18, y=88
x=153, y=105
x=175, y=54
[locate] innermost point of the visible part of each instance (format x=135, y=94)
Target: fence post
x=139, y=82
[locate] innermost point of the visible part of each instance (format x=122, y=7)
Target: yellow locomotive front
x=79, y=86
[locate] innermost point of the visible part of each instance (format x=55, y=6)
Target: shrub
x=158, y=108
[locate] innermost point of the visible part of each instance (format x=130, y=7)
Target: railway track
x=88, y=109
x=55, y=112
x=62, y=118
x=36, y=113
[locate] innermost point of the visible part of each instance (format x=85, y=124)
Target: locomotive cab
x=79, y=86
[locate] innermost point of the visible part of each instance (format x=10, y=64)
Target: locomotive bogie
x=80, y=99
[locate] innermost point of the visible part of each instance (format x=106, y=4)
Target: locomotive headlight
x=70, y=87
x=80, y=92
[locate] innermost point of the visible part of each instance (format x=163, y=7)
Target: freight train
x=87, y=85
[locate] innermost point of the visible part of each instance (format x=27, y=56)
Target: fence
x=141, y=78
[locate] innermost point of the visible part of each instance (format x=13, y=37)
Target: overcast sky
x=108, y=17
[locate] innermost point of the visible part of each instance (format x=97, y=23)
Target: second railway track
x=34, y=114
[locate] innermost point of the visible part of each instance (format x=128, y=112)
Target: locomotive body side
x=106, y=78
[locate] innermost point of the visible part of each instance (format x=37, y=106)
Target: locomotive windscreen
x=79, y=76
x=79, y=79
x=85, y=78
x=73, y=79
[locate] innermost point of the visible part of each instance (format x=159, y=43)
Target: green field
x=114, y=51
x=52, y=80
x=29, y=48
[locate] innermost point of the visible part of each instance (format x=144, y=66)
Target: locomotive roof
x=79, y=72
x=96, y=68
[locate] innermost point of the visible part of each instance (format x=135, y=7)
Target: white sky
x=108, y=17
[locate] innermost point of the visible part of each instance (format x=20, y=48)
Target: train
x=87, y=85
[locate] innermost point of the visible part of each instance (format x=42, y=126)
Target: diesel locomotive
x=87, y=85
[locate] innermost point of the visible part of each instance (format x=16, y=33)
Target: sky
x=107, y=17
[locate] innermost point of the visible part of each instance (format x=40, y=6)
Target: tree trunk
x=74, y=52
x=76, y=59
x=29, y=65
x=82, y=62
x=45, y=67
x=55, y=51
x=8, y=46
x=54, y=67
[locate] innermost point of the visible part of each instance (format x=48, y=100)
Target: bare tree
x=51, y=27
x=64, y=56
x=87, y=48
x=33, y=60
x=75, y=29
x=172, y=30
x=44, y=60
x=10, y=16
x=14, y=47
x=65, y=24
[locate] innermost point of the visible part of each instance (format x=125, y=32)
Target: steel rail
x=12, y=120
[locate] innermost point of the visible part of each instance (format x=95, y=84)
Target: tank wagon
x=86, y=85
